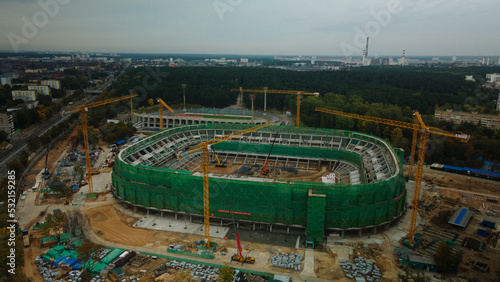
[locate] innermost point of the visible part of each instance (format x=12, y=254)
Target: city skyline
x=326, y=28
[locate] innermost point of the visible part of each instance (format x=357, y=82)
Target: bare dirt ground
x=56, y=151
x=326, y=267
x=300, y=175
x=439, y=205
x=106, y=220
x=116, y=227
x=460, y=182
x=29, y=267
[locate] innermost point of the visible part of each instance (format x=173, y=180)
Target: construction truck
x=239, y=257
x=26, y=239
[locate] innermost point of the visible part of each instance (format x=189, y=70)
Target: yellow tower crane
x=204, y=164
x=417, y=126
x=161, y=105
x=298, y=93
x=83, y=112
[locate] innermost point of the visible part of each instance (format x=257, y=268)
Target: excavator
x=264, y=170
x=218, y=163
x=239, y=257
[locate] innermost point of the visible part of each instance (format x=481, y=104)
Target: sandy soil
x=116, y=227
x=106, y=220
x=325, y=267
x=461, y=182
x=29, y=267
x=56, y=151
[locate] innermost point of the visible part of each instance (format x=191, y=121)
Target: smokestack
x=366, y=49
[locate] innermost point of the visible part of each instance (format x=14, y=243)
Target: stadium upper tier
x=375, y=156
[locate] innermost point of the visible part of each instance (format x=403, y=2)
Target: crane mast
x=264, y=170
x=204, y=164
x=293, y=92
x=83, y=113
x=417, y=126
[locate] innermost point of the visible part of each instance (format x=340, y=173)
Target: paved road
x=20, y=144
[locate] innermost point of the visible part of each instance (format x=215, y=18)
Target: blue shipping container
x=488, y=224
x=482, y=232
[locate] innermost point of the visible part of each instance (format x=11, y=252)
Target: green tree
x=411, y=274
x=86, y=249
x=34, y=144
x=226, y=273
x=3, y=136
x=77, y=168
x=184, y=276
x=445, y=258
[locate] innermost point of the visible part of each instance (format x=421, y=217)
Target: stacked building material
x=74, y=276
x=203, y=272
x=361, y=269
x=288, y=261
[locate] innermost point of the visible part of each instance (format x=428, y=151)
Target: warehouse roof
x=461, y=217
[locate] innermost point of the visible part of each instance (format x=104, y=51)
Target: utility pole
x=265, y=98
x=252, y=98
x=241, y=97
x=131, y=108
x=184, y=94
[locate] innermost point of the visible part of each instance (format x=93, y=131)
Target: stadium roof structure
x=461, y=217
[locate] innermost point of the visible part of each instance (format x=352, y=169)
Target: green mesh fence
x=281, y=201
x=315, y=217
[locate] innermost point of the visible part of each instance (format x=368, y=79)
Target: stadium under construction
x=321, y=181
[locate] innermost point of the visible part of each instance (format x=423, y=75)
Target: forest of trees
x=393, y=93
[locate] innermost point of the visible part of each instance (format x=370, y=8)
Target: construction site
x=273, y=202
x=362, y=172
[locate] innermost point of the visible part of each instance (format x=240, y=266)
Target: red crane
x=239, y=257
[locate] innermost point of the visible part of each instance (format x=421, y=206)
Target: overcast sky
x=260, y=27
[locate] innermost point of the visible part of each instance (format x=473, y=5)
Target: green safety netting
x=343, y=206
